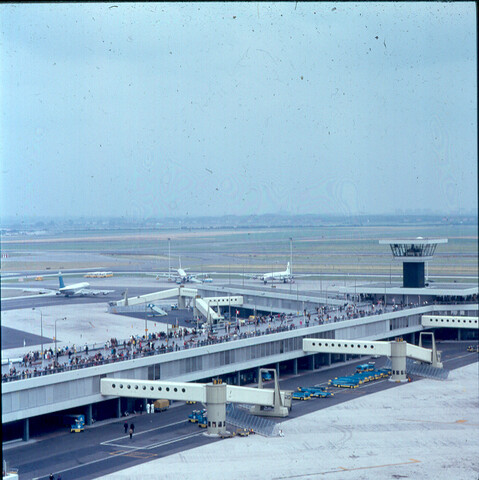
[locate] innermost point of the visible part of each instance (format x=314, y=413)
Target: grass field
x=315, y=249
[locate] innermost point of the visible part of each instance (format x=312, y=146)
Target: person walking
x=51, y=477
x=132, y=427
x=131, y=433
x=125, y=426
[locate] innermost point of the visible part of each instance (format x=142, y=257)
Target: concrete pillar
x=398, y=361
x=144, y=404
x=277, y=369
x=181, y=301
x=328, y=359
x=459, y=334
x=311, y=362
x=88, y=414
x=295, y=366
x=26, y=430
x=344, y=357
x=216, y=407
x=238, y=378
x=258, y=374
x=118, y=408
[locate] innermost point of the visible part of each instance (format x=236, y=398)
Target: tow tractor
x=301, y=396
x=77, y=427
x=202, y=419
x=316, y=392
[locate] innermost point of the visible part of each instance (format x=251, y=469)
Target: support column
x=181, y=301
x=398, y=361
x=277, y=369
x=143, y=404
x=295, y=366
x=311, y=362
x=118, y=408
x=26, y=430
x=328, y=361
x=88, y=414
x=459, y=334
x=258, y=374
x=238, y=378
x=216, y=406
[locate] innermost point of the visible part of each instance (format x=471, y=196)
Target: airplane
x=284, y=276
x=181, y=276
x=82, y=288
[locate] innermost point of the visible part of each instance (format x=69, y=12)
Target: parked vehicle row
x=363, y=375
x=306, y=393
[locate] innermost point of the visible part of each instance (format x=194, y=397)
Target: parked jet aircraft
x=82, y=288
x=284, y=276
x=180, y=276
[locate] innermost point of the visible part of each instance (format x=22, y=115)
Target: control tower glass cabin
x=413, y=253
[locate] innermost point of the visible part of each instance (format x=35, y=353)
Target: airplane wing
x=166, y=275
x=86, y=291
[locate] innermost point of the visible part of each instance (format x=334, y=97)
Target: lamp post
x=169, y=260
x=146, y=322
x=41, y=330
x=64, y=318
x=291, y=262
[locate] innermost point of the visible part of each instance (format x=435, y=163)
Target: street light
x=41, y=329
x=64, y=318
x=146, y=322
x=291, y=262
x=169, y=260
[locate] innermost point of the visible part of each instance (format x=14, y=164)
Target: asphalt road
x=51, y=300
x=13, y=338
x=103, y=449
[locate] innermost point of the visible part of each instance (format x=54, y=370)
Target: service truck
x=161, y=405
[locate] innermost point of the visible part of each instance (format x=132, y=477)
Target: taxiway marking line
x=120, y=453
x=144, y=431
x=153, y=445
x=457, y=422
x=344, y=469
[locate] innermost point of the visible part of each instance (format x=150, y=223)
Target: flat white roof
x=397, y=290
x=416, y=430
x=414, y=241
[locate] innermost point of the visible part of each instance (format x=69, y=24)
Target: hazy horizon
x=171, y=110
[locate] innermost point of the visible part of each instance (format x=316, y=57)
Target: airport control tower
x=413, y=253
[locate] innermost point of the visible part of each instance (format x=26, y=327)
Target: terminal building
x=27, y=403
x=416, y=288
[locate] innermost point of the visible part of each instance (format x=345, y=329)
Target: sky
x=204, y=109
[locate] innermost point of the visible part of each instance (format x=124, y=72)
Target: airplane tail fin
x=287, y=269
x=60, y=280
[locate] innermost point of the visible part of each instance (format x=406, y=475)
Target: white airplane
x=180, y=276
x=284, y=276
x=82, y=288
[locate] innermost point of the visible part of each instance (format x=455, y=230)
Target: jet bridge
x=204, y=306
x=449, y=321
x=213, y=395
x=397, y=351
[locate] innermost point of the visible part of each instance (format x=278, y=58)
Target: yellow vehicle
x=38, y=279
x=77, y=427
x=242, y=432
x=161, y=405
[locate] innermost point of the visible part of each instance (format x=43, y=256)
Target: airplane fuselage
x=72, y=289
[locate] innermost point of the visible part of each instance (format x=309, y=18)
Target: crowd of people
x=73, y=357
